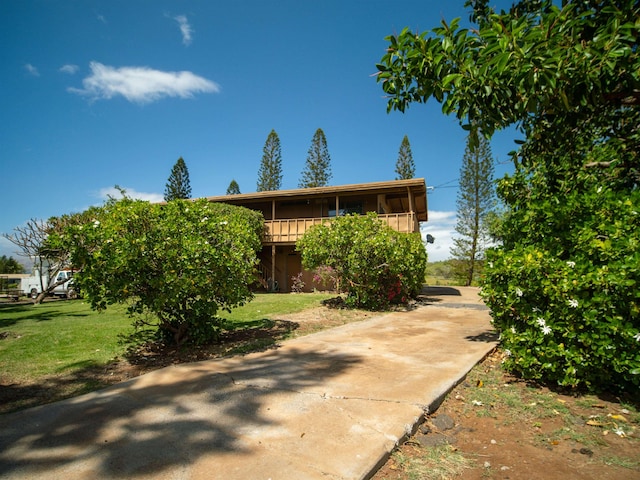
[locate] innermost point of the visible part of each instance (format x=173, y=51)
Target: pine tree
x=405, y=168
x=178, y=183
x=270, y=173
x=317, y=171
x=475, y=203
x=233, y=188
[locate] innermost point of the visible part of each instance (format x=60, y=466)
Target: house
x=288, y=214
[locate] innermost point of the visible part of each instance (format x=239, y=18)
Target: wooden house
x=288, y=214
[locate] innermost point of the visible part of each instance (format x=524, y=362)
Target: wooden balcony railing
x=290, y=230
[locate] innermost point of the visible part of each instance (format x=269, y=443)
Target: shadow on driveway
x=166, y=418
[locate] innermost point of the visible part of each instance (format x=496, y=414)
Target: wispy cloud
x=141, y=84
x=185, y=29
x=31, y=70
x=70, y=69
x=441, y=226
x=114, y=192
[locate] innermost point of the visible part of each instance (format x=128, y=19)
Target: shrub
x=375, y=265
x=565, y=289
x=183, y=261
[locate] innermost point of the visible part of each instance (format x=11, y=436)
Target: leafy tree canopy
x=10, y=265
x=562, y=288
x=537, y=60
x=375, y=264
x=183, y=261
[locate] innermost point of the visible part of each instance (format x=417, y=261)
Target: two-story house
x=402, y=204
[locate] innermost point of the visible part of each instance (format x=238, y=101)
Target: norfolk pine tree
x=233, y=188
x=178, y=183
x=317, y=170
x=270, y=173
x=405, y=168
x=475, y=202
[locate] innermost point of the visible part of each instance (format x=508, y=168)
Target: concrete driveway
x=331, y=405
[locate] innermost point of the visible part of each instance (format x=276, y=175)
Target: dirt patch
x=494, y=426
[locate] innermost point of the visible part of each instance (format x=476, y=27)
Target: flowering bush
x=297, y=284
x=564, y=290
x=183, y=261
x=326, y=277
x=375, y=265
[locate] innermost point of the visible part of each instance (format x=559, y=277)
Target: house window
x=347, y=208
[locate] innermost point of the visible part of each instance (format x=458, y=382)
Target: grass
x=434, y=463
x=66, y=337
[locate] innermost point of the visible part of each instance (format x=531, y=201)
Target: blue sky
x=103, y=93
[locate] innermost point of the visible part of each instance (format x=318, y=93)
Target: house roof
x=391, y=188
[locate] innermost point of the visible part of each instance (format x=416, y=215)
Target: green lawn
x=67, y=336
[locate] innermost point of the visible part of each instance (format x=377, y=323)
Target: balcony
x=288, y=231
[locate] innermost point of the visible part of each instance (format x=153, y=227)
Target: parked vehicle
x=32, y=287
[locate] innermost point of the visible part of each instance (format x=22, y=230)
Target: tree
x=317, y=172
x=405, y=168
x=33, y=240
x=270, y=173
x=182, y=262
x=178, y=185
x=10, y=265
x=233, y=188
x=475, y=202
x=376, y=265
x=562, y=287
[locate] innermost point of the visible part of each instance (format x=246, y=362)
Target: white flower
x=573, y=303
x=490, y=264
x=540, y=321
x=546, y=330
x=571, y=264
x=507, y=352
x=96, y=223
x=477, y=403
x=224, y=222
x=637, y=337
x=204, y=219
x=513, y=330
x=518, y=292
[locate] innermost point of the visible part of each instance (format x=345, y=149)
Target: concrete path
x=331, y=405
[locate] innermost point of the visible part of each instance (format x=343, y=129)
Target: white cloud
x=70, y=69
x=141, y=84
x=441, y=226
x=113, y=192
x=32, y=70
x=185, y=28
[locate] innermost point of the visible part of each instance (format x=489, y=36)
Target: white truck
x=32, y=287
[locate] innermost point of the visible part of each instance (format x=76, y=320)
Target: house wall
x=288, y=263
x=402, y=204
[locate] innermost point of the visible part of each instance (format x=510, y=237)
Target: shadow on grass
x=143, y=355
x=11, y=315
x=91, y=376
